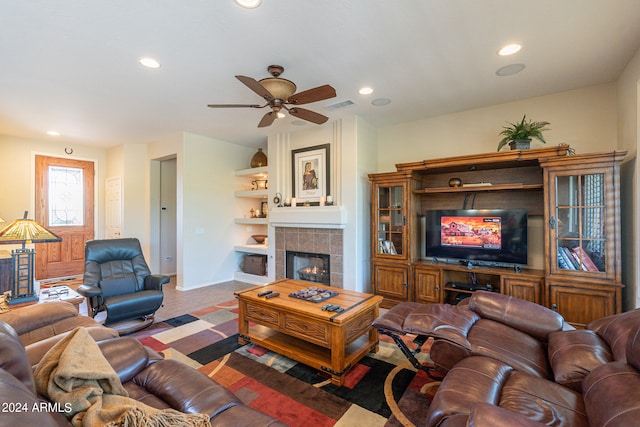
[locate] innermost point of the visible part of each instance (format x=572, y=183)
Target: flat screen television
x=479, y=236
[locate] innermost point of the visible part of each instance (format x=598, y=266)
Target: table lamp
x=22, y=260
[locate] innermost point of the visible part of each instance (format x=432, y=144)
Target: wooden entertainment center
x=576, y=196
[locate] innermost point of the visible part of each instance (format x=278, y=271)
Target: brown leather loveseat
x=484, y=392
x=518, y=362
x=160, y=383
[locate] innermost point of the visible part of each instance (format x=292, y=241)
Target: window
x=66, y=196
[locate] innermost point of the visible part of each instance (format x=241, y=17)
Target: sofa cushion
x=511, y=346
x=530, y=318
x=573, y=354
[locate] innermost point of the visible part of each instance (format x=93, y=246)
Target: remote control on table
x=326, y=307
x=264, y=293
x=334, y=308
x=272, y=295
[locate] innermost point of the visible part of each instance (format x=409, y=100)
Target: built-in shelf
x=260, y=172
x=251, y=221
x=253, y=194
x=468, y=189
x=252, y=249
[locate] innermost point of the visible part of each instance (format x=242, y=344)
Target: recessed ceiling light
x=380, y=102
x=53, y=133
x=510, y=49
x=365, y=91
x=249, y=4
x=510, y=69
x=149, y=62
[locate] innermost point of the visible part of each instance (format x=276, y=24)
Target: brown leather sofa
x=40, y=326
x=511, y=362
x=160, y=383
x=484, y=392
x=488, y=324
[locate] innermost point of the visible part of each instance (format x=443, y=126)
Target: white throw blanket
x=75, y=374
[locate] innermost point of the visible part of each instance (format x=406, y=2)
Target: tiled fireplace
x=314, y=244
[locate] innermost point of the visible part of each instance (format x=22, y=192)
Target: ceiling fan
x=279, y=93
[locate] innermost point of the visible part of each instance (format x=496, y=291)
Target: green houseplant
x=523, y=131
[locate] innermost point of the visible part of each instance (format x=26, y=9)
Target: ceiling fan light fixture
x=280, y=115
x=279, y=88
x=249, y=4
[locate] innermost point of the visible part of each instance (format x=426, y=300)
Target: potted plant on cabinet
x=519, y=135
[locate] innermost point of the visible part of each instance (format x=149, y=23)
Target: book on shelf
x=578, y=260
x=561, y=261
x=586, y=259
x=564, y=259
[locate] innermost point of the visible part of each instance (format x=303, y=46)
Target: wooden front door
x=64, y=205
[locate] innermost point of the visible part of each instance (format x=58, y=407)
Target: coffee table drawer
x=307, y=329
x=263, y=316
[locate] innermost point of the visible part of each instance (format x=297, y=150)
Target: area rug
x=382, y=389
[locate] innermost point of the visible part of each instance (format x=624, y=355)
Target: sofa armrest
x=36, y=316
x=486, y=415
x=154, y=282
x=90, y=291
x=525, y=316
x=573, y=354
x=185, y=389
x=611, y=394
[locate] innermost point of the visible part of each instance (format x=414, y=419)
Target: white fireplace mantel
x=309, y=216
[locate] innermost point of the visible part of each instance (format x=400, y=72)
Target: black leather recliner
x=117, y=280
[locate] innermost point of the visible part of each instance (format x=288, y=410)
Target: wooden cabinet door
x=427, y=285
x=524, y=288
x=581, y=305
x=392, y=282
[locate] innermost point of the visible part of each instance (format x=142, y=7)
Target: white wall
x=208, y=205
x=628, y=91
x=584, y=118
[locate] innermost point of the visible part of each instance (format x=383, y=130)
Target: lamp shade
x=26, y=231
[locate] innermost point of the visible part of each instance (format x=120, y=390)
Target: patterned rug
x=383, y=389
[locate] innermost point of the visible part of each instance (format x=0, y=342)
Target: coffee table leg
x=373, y=332
x=243, y=324
x=337, y=355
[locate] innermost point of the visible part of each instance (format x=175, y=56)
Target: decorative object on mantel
x=519, y=135
x=455, y=182
x=259, y=159
x=277, y=199
x=24, y=231
x=329, y=201
x=311, y=174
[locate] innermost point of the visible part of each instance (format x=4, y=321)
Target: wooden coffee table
x=302, y=331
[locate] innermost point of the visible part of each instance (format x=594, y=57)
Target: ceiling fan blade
x=312, y=95
x=253, y=84
x=267, y=119
x=236, y=106
x=308, y=115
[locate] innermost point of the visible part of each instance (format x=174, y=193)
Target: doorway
x=65, y=205
x=168, y=216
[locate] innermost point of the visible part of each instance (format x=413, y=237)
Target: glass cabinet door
x=580, y=221
x=391, y=218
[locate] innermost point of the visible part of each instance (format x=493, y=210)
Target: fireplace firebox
x=309, y=267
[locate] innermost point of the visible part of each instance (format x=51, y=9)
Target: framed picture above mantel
x=311, y=171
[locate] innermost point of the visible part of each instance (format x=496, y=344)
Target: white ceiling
x=71, y=65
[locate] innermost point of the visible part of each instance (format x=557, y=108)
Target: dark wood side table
x=5, y=271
